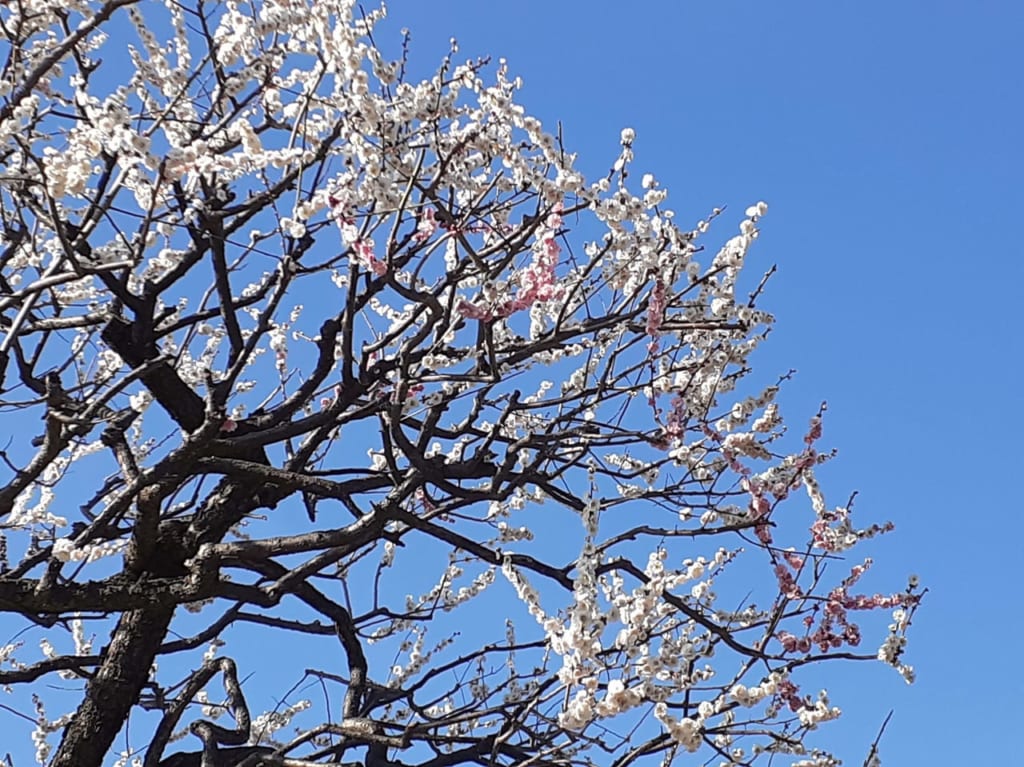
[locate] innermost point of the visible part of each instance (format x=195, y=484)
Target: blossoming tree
x=294, y=345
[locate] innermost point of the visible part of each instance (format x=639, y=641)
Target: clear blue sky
x=886, y=138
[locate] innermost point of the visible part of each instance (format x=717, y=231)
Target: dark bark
x=226, y=757
x=115, y=688
x=173, y=394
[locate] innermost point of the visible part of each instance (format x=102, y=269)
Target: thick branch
x=115, y=688
x=174, y=395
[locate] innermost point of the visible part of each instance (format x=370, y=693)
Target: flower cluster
x=537, y=283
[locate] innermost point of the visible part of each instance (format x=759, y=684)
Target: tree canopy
x=313, y=368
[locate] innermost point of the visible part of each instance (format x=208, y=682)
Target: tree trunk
x=115, y=688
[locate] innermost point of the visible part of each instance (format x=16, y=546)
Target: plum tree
x=310, y=368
